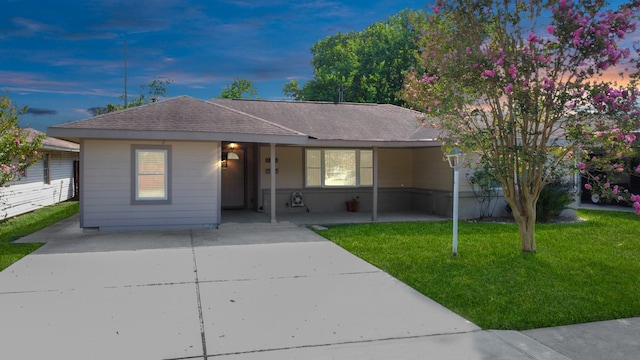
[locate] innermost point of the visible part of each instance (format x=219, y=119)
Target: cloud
x=25, y=27
x=38, y=111
x=28, y=28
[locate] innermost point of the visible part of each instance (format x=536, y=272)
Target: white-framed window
x=151, y=172
x=46, y=170
x=338, y=167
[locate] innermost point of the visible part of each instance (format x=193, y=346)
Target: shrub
x=554, y=198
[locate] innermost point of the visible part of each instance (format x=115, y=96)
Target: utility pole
x=125, y=74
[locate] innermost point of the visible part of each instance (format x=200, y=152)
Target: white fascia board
x=372, y=143
x=70, y=133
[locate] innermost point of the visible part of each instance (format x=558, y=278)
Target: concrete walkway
x=257, y=291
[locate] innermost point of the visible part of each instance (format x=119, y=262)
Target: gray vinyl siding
x=107, y=181
x=30, y=193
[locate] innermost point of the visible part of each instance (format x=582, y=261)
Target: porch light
x=456, y=159
x=231, y=155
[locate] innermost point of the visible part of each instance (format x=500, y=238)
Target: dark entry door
x=233, y=178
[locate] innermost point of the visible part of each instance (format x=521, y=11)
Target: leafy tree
x=149, y=93
x=519, y=82
x=239, y=89
x=292, y=89
x=18, y=147
x=370, y=65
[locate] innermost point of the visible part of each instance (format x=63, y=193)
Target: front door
x=233, y=181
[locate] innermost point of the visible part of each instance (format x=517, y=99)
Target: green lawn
x=582, y=272
x=19, y=226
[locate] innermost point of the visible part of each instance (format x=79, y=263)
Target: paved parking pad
x=140, y=322
x=98, y=270
x=245, y=292
x=477, y=345
x=613, y=339
x=279, y=260
x=284, y=313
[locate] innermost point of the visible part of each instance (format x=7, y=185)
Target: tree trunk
x=526, y=228
x=525, y=217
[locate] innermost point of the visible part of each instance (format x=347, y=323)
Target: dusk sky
x=63, y=57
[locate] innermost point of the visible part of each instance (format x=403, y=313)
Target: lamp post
x=455, y=158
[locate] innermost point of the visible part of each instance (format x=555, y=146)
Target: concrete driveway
x=240, y=292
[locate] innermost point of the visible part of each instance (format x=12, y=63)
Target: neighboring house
x=49, y=181
x=177, y=163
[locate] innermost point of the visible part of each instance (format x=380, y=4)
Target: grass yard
x=584, y=271
x=19, y=226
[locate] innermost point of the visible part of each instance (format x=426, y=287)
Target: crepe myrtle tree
x=18, y=147
x=521, y=83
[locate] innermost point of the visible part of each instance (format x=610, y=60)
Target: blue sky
x=63, y=57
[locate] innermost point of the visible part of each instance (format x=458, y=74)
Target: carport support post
x=273, y=183
x=374, y=212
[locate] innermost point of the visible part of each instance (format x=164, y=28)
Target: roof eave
x=378, y=143
x=60, y=148
x=76, y=134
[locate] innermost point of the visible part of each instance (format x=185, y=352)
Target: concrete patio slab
x=477, y=345
x=139, y=322
x=279, y=260
x=528, y=345
x=614, y=339
x=72, y=239
x=258, y=315
x=266, y=291
x=98, y=270
x=255, y=233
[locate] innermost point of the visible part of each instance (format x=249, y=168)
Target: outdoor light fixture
x=456, y=159
x=231, y=155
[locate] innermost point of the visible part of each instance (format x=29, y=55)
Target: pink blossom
x=550, y=29
x=638, y=169
x=582, y=166
x=488, y=73
x=508, y=89
x=587, y=186
x=607, y=185
x=615, y=190
x=513, y=71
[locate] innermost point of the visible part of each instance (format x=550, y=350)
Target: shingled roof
x=338, y=121
x=186, y=118
x=51, y=143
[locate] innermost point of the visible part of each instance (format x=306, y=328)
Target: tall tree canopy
x=239, y=89
x=369, y=65
x=520, y=83
x=154, y=91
